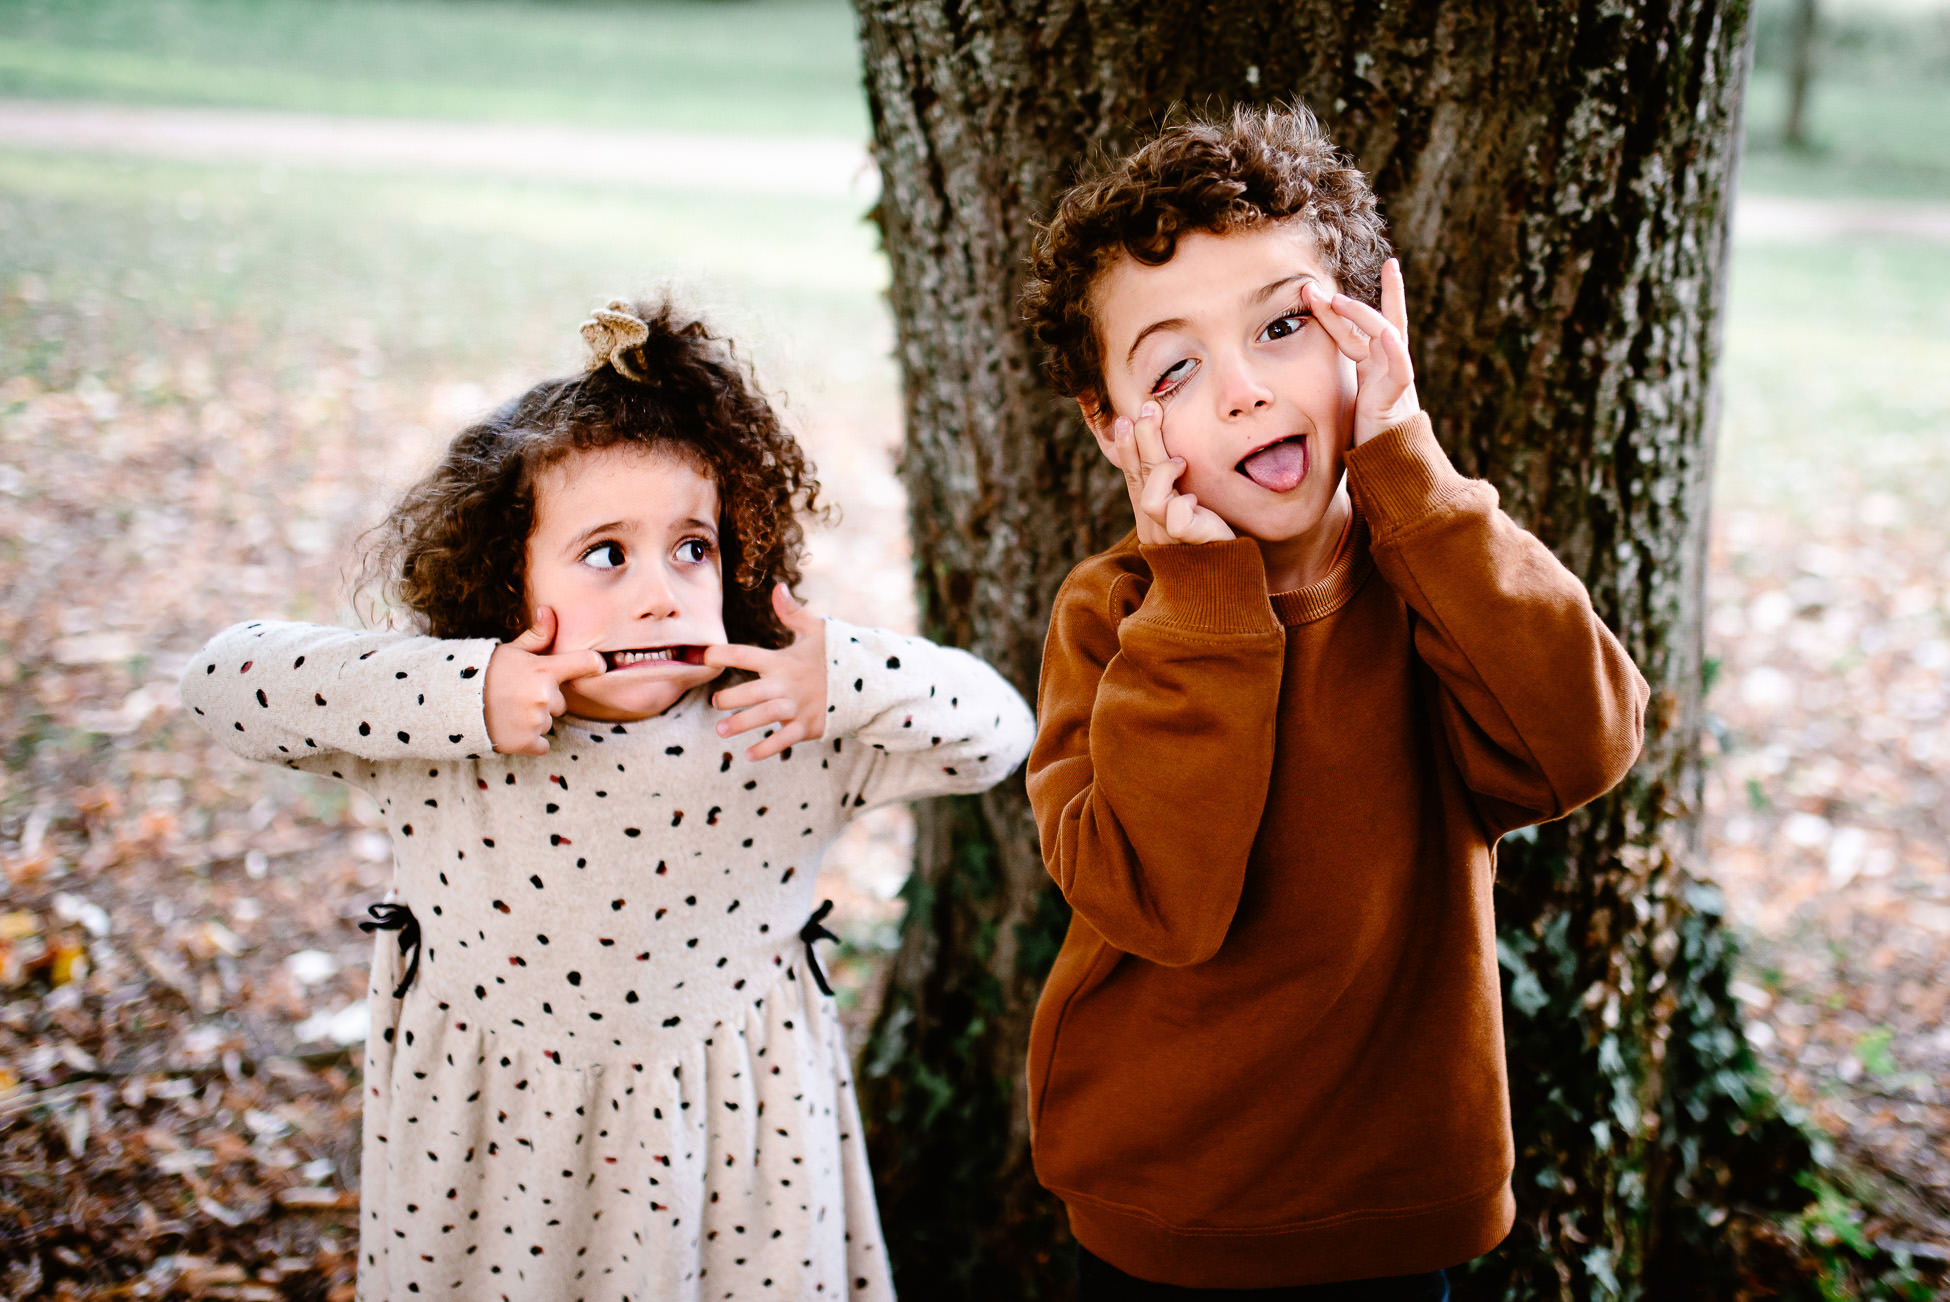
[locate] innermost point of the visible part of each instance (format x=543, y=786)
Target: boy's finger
x=1394, y=296
x=737, y=655
x=1124, y=443
x=1351, y=341
x=538, y=636
x=1160, y=489
x=1370, y=322
x=1149, y=435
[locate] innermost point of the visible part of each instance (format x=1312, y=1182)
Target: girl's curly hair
x=454, y=551
x=1198, y=174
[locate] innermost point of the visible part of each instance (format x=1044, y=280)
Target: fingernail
x=1148, y=410
x=1121, y=426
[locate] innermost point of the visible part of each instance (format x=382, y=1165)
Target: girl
x=596, y=1068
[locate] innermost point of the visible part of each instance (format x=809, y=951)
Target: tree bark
x=1557, y=179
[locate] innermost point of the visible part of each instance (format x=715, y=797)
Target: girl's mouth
x=1277, y=467
x=688, y=655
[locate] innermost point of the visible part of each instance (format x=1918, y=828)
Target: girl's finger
x=538, y=636
x=555, y=702
x=571, y=665
x=790, y=735
x=737, y=655
x=792, y=612
x=751, y=693
x=774, y=711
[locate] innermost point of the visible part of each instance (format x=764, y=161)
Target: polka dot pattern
x=612, y=1077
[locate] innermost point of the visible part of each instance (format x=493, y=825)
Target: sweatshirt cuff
x=1216, y=588
x=1401, y=476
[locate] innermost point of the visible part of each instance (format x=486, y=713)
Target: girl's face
x=625, y=552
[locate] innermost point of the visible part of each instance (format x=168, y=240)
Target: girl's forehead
x=623, y=483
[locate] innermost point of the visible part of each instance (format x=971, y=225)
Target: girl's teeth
x=638, y=657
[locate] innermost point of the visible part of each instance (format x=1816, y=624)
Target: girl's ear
x=1099, y=419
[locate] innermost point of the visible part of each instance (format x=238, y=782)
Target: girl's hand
x=523, y=692
x=1378, y=344
x=790, y=689
x=1164, y=515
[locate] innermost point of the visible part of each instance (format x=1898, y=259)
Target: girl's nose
x=654, y=597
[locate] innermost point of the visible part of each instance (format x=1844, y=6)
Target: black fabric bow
x=397, y=917
x=814, y=931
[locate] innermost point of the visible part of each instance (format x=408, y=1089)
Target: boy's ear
x=1099, y=419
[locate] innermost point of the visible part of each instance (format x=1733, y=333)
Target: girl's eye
x=694, y=550
x=1290, y=324
x=1174, y=376
x=604, y=556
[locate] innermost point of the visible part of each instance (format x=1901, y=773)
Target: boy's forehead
x=1207, y=272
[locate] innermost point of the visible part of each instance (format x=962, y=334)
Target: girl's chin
x=632, y=702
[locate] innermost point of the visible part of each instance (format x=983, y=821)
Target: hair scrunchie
x=611, y=334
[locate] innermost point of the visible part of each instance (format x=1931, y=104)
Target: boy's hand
x=523, y=691
x=1378, y=344
x=1164, y=515
x=790, y=689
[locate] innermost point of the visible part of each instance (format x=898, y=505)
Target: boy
x=1282, y=726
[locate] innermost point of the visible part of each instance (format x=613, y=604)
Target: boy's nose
x=655, y=597
x=1244, y=391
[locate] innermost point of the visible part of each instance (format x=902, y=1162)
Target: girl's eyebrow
x=610, y=526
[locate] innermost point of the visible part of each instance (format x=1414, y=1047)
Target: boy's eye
x=1174, y=376
x=694, y=550
x=604, y=556
x=1290, y=324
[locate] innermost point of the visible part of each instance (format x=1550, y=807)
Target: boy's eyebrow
x=1178, y=322
x=1297, y=278
x=607, y=526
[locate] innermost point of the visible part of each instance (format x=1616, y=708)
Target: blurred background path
x=260, y=258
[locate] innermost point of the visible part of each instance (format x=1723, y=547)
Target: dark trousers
x=1099, y=1281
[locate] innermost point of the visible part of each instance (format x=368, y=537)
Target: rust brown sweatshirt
x=1271, y=1049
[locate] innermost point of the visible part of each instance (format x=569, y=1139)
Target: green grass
x=771, y=66
x=1833, y=373
x=1878, y=114
x=439, y=275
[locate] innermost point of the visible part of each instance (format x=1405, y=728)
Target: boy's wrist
x=1217, y=588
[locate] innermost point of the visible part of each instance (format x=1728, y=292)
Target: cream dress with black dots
x=610, y=1076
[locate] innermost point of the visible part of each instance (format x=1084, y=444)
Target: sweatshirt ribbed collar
x=1334, y=589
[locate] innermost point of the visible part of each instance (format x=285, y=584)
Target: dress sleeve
x=907, y=718
x=308, y=696
x=1155, y=747
x=1541, y=707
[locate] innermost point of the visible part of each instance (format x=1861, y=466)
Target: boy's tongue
x=1278, y=468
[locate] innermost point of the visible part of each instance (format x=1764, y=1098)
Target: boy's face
x=625, y=551
x=1256, y=397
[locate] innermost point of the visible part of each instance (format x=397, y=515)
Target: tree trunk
x=1557, y=180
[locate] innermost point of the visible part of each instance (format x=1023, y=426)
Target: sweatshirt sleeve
x=907, y=718
x=1155, y=746
x=1541, y=707
x=307, y=696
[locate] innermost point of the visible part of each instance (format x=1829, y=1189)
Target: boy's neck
x=1300, y=562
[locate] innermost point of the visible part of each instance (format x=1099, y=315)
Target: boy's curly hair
x=454, y=551
x=1199, y=174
